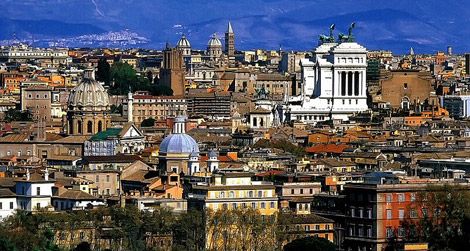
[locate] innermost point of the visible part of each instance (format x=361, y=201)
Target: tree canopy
x=311, y=244
x=17, y=115
x=125, y=78
x=148, y=122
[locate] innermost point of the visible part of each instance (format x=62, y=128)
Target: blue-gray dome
x=179, y=143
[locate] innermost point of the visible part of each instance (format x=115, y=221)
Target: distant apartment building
x=377, y=212
x=24, y=54
x=232, y=191
x=290, y=62
x=216, y=105
x=37, y=100
x=274, y=83
x=144, y=106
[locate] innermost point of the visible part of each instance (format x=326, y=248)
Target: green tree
x=149, y=122
x=124, y=77
x=103, y=73
x=311, y=244
x=6, y=244
x=17, y=115
x=161, y=90
x=446, y=215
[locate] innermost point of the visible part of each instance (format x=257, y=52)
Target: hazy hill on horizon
x=397, y=25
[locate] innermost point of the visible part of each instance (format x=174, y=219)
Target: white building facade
x=34, y=192
x=334, y=84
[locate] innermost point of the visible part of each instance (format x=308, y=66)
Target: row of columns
x=350, y=83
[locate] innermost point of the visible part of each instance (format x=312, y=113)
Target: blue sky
x=427, y=26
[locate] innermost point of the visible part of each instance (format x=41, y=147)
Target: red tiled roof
x=328, y=148
x=271, y=172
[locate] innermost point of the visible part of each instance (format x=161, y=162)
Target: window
x=353, y=212
x=253, y=205
x=38, y=191
x=273, y=205
x=327, y=226
x=292, y=191
x=108, y=191
x=307, y=227
x=97, y=178
x=401, y=232
x=389, y=232
x=107, y=178
x=412, y=197
x=38, y=205
x=82, y=235
x=243, y=205
x=401, y=197
x=90, y=127
x=250, y=194
x=260, y=194
x=369, y=231
x=301, y=191
x=263, y=205
x=222, y=194
x=424, y=211
x=401, y=214
x=11, y=205
x=405, y=86
x=231, y=194
x=311, y=191
x=1, y=205
x=369, y=213
x=361, y=213
x=225, y=206
x=389, y=198
x=234, y=205
x=317, y=227
x=413, y=213
x=360, y=231
x=389, y=214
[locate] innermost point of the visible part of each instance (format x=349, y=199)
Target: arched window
x=79, y=127
x=89, y=127
x=405, y=103
x=261, y=122
x=255, y=122
x=100, y=126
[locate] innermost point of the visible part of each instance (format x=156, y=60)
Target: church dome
x=89, y=95
x=183, y=42
x=214, y=41
x=179, y=141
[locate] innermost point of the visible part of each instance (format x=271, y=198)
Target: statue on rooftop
x=330, y=38
x=347, y=38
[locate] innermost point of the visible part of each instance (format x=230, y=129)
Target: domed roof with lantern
x=214, y=41
x=183, y=42
x=89, y=95
x=179, y=142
